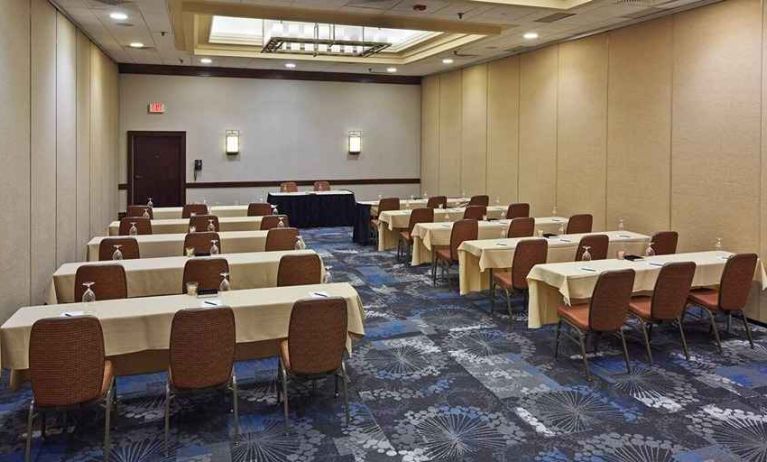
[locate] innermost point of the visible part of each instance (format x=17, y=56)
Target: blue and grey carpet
x=440, y=378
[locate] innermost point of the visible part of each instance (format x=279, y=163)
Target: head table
x=137, y=331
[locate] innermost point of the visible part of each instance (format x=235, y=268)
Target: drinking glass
x=133, y=231
x=621, y=225
x=554, y=211
x=503, y=233
x=426, y=195
x=650, y=252
x=191, y=288
x=281, y=223
x=463, y=194
x=380, y=196
x=484, y=217
x=328, y=277
x=89, y=295
x=192, y=229
x=211, y=226
x=190, y=251
x=146, y=214
x=117, y=254
x=586, y=254
x=213, y=247
x=300, y=244
x=150, y=203
x=261, y=199
x=561, y=229
x=540, y=233
x=718, y=243
x=224, y=286
x=497, y=200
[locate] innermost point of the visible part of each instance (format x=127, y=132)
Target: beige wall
x=58, y=126
x=659, y=123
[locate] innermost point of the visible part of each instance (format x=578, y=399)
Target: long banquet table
x=168, y=213
x=312, y=209
x=137, y=331
x=427, y=236
x=163, y=276
x=552, y=284
x=476, y=258
x=181, y=225
x=172, y=245
x=391, y=222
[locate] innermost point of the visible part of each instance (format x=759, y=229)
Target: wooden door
x=157, y=168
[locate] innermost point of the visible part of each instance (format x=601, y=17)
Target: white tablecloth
x=475, y=258
x=166, y=213
x=181, y=225
x=427, y=236
x=553, y=283
x=415, y=203
x=135, y=325
x=162, y=276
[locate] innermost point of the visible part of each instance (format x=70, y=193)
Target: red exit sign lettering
x=156, y=108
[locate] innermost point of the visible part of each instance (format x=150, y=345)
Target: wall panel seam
x=607, y=122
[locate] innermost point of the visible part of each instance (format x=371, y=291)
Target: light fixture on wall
x=355, y=142
x=232, y=142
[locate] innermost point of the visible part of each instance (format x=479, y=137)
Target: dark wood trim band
x=277, y=74
x=270, y=184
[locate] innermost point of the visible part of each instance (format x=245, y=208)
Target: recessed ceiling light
x=290, y=65
x=136, y=45
x=118, y=16
x=206, y=60
x=530, y=35
x=447, y=61
x=391, y=70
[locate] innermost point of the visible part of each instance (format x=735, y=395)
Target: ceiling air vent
x=554, y=17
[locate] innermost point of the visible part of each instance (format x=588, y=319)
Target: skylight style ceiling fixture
x=316, y=39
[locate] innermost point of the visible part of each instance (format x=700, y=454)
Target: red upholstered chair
x=732, y=294
x=521, y=227
x=528, y=253
x=664, y=242
x=446, y=257
x=143, y=226
x=322, y=186
x=281, y=239
x=597, y=244
x=315, y=346
x=475, y=212
x=109, y=281
x=273, y=221
x=128, y=247
x=201, y=243
x=518, y=210
x=480, y=200
x=259, y=209
x=202, y=347
x=436, y=202
x=68, y=372
x=667, y=303
x=299, y=270
x=202, y=222
x=206, y=272
x=606, y=313
x=144, y=211
x=422, y=215
x=580, y=224
x=288, y=186
x=194, y=209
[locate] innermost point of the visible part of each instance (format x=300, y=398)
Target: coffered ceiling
x=177, y=32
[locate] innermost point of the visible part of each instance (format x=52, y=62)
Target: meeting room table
x=163, y=276
x=169, y=213
x=313, y=209
x=428, y=236
x=477, y=259
x=137, y=331
x=391, y=222
x=172, y=245
x=553, y=284
x=181, y=225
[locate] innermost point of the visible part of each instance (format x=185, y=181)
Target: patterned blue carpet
x=440, y=378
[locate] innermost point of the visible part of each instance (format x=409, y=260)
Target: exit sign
x=156, y=108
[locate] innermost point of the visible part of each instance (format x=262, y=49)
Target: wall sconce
x=355, y=143
x=232, y=142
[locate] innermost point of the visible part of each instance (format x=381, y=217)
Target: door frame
x=132, y=134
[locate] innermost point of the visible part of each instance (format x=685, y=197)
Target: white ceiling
x=148, y=22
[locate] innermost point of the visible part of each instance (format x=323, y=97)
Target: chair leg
x=748, y=328
x=492, y=292
x=167, y=415
x=345, y=391
x=235, y=408
x=681, y=334
x=714, y=329
x=729, y=321
x=556, y=339
x=335, y=376
x=626, y=350
x=508, y=306
x=582, y=341
x=107, y=424
x=284, y=380
x=30, y=421
x=646, y=340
